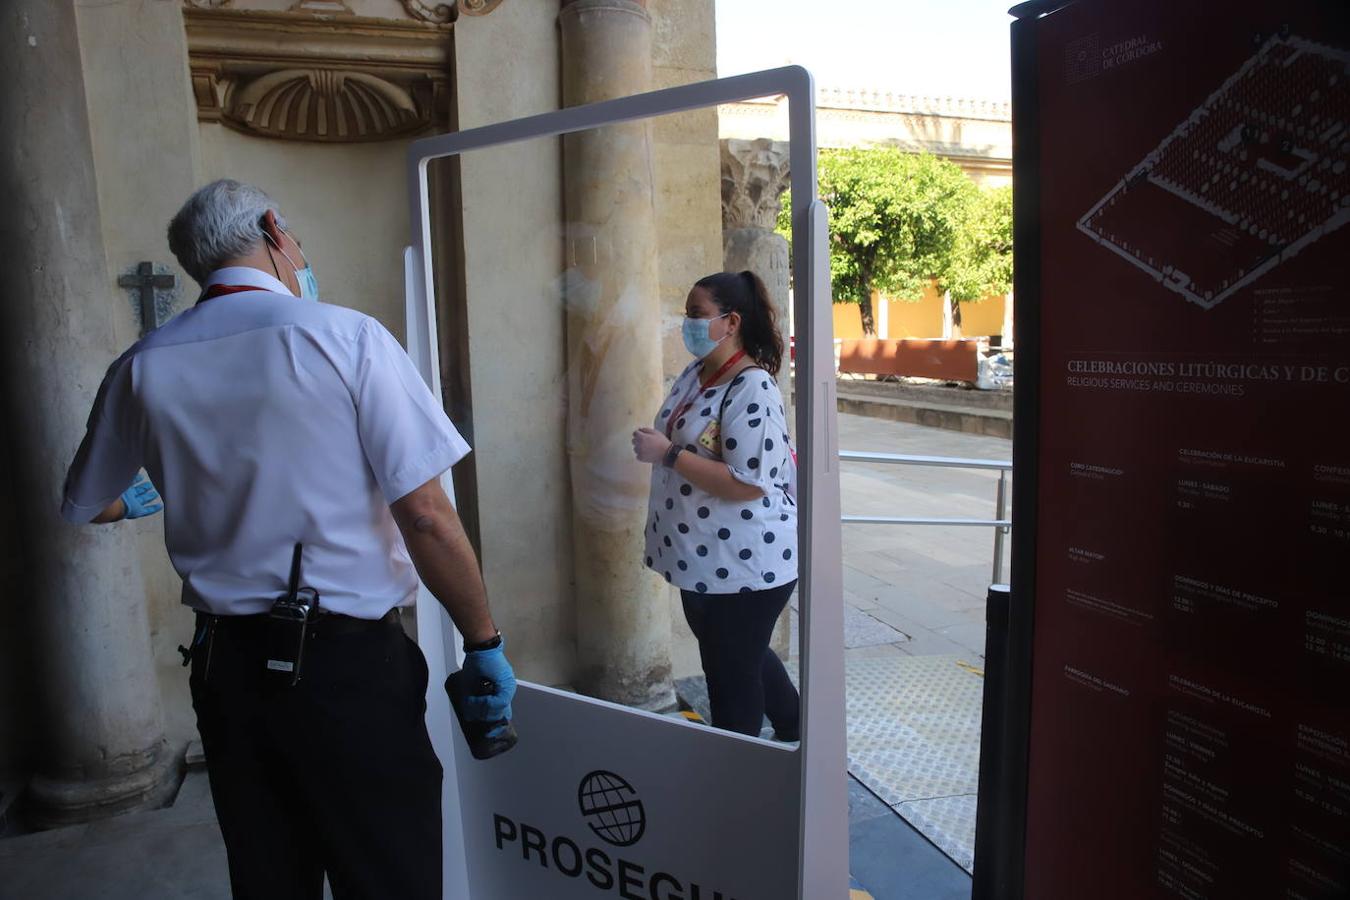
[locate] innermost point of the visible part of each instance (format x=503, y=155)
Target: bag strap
x=721, y=416
x=722, y=407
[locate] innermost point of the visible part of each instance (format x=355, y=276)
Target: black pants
x=746, y=679
x=335, y=775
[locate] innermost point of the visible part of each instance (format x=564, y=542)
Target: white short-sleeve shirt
x=702, y=543
x=265, y=420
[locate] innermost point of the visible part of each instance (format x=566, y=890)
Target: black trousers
x=334, y=776
x=746, y=679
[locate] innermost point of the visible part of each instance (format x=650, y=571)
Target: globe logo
x=611, y=808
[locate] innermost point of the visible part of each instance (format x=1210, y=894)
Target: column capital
x=754, y=176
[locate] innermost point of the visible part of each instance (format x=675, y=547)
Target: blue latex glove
x=141, y=499
x=489, y=666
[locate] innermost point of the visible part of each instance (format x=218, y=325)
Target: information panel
x=1191, y=663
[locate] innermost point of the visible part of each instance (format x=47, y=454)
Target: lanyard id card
x=711, y=438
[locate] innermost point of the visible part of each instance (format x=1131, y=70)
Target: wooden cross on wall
x=146, y=281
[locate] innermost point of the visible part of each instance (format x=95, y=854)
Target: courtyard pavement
x=914, y=627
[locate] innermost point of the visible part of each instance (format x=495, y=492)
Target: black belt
x=324, y=622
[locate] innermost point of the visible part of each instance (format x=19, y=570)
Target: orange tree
x=982, y=263
x=900, y=222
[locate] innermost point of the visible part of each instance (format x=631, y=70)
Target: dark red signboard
x=1191, y=661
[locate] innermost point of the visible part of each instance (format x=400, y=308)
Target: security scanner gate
x=565, y=323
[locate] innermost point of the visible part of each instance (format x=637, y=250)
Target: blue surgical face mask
x=309, y=284
x=696, y=339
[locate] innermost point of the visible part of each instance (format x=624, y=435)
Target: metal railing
x=1001, y=524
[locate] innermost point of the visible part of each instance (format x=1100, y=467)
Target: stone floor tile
x=928, y=643
x=863, y=804
x=861, y=630
x=876, y=650
x=862, y=583
x=892, y=861
x=968, y=634
x=948, y=822
x=929, y=615
x=858, y=602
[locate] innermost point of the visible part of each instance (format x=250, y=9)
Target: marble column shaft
x=754, y=176
x=614, y=357
x=755, y=173
x=101, y=748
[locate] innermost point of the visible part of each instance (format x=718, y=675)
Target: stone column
x=754, y=176
x=613, y=357
x=101, y=747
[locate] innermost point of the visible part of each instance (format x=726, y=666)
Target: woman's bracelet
x=673, y=451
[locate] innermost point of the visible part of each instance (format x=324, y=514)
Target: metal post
x=993, y=810
x=1000, y=513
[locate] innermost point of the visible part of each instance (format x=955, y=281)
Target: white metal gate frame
x=822, y=814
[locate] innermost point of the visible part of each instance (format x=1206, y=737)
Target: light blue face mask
x=696, y=339
x=309, y=284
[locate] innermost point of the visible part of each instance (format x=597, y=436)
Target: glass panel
x=579, y=280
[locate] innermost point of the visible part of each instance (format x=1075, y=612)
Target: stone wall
x=152, y=144
x=512, y=206
x=137, y=201
x=688, y=206
x=150, y=148
x=345, y=201
x=513, y=262
x=976, y=135
x=688, y=192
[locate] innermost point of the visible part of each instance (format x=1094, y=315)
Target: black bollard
x=992, y=809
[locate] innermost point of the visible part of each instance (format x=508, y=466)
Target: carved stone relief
x=296, y=76
x=322, y=7
x=478, y=7
x=754, y=176
x=440, y=13
x=325, y=105
x=421, y=10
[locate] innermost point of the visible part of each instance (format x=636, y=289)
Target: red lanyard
x=220, y=290
x=689, y=398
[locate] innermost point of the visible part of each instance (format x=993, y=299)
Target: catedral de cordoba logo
x=612, y=810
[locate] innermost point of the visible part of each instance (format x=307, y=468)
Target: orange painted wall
x=847, y=321
x=920, y=318
x=982, y=318
x=915, y=318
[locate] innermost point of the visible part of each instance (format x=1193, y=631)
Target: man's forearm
x=115, y=511
x=445, y=560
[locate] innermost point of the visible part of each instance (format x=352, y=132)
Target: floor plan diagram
x=1245, y=183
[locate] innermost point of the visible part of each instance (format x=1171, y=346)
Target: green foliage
x=982, y=263
x=894, y=219
x=901, y=221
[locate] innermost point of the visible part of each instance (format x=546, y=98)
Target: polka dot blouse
x=699, y=542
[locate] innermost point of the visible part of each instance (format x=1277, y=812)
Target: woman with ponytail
x=722, y=522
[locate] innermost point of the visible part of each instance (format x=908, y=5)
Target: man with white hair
x=298, y=453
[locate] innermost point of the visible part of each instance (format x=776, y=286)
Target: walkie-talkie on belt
x=286, y=626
